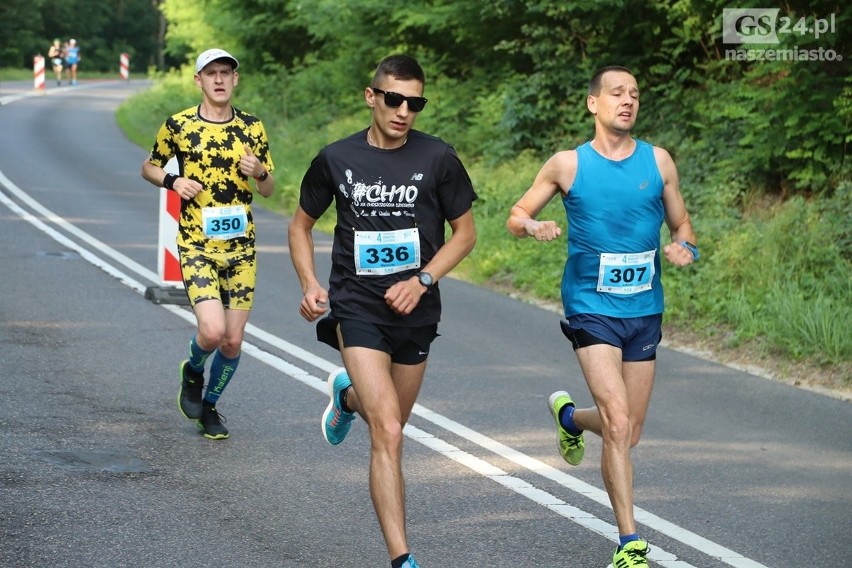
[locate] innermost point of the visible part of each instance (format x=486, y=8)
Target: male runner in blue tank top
x=617, y=191
x=72, y=59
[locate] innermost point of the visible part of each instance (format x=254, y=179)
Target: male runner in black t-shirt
x=393, y=189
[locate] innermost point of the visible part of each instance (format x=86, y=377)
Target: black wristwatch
x=425, y=279
x=263, y=176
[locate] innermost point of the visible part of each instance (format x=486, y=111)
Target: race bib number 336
x=386, y=252
x=626, y=273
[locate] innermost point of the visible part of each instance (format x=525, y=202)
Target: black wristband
x=169, y=181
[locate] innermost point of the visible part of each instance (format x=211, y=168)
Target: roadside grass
x=15, y=74
x=772, y=287
x=18, y=74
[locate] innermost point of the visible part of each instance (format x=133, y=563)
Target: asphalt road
x=99, y=469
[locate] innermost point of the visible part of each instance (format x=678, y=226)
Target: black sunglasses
x=394, y=100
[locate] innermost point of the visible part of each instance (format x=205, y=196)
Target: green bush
x=761, y=147
x=782, y=276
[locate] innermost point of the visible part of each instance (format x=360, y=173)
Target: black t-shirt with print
x=422, y=184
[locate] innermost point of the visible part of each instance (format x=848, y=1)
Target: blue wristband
x=691, y=248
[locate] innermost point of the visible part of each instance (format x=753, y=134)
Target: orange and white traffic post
x=171, y=289
x=38, y=73
x=124, y=66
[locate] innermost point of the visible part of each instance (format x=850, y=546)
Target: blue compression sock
x=625, y=538
x=566, y=418
x=222, y=370
x=197, y=355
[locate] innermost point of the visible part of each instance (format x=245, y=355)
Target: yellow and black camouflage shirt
x=209, y=153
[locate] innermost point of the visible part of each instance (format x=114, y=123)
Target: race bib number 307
x=626, y=273
x=386, y=252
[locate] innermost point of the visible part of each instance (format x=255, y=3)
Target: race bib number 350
x=626, y=273
x=224, y=222
x=386, y=252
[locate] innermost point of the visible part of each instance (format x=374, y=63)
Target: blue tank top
x=615, y=212
x=72, y=54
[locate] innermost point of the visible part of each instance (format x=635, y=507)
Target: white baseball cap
x=212, y=55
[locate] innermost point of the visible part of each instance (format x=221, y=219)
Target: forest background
x=762, y=147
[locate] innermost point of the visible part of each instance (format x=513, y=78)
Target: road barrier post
x=38, y=73
x=170, y=290
x=124, y=66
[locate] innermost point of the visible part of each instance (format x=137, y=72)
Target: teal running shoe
x=335, y=421
x=571, y=447
x=410, y=563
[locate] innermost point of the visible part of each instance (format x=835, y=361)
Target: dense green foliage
x=762, y=147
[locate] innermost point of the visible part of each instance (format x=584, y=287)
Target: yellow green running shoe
x=571, y=447
x=631, y=555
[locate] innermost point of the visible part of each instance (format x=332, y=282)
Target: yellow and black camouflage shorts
x=229, y=277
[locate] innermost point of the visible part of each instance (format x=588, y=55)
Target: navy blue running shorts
x=405, y=345
x=637, y=338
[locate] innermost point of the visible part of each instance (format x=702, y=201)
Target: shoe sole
x=211, y=436
x=330, y=408
x=552, y=400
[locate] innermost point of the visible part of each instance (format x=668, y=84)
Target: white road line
x=435, y=443
x=30, y=93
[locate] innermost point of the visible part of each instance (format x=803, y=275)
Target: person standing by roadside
x=394, y=190
x=617, y=192
x=55, y=55
x=218, y=149
x=72, y=59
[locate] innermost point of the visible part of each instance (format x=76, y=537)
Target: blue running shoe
x=335, y=421
x=410, y=563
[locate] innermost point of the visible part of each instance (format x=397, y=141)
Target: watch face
x=425, y=279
